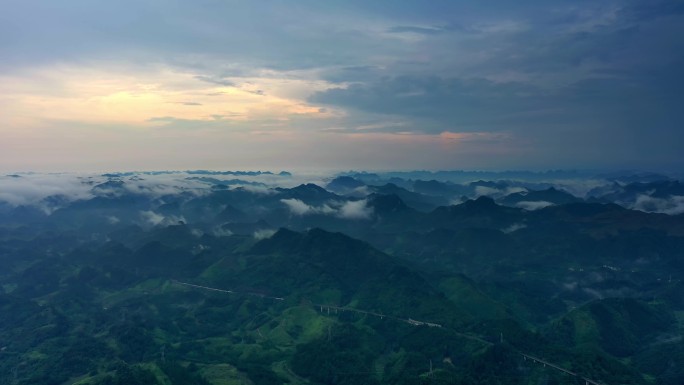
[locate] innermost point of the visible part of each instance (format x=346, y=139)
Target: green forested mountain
x=304, y=286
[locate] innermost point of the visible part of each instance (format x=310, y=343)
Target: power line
x=409, y=321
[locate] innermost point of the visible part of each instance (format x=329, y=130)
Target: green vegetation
x=456, y=303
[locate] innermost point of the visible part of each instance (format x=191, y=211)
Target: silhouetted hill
x=598, y=218
x=384, y=204
x=415, y=200
x=437, y=188
x=550, y=195
x=335, y=269
x=344, y=184
x=308, y=193
x=481, y=212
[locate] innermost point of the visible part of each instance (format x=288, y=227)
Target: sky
x=301, y=84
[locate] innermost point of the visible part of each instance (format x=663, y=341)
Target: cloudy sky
x=307, y=84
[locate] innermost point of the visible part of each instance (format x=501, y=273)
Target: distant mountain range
x=201, y=278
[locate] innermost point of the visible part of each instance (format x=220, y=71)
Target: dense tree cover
x=345, y=357
x=124, y=374
x=455, y=303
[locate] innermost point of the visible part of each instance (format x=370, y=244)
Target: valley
x=315, y=285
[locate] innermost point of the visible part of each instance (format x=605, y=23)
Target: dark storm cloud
x=641, y=10
x=609, y=74
x=364, y=73
x=480, y=103
x=452, y=100
x=569, y=79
